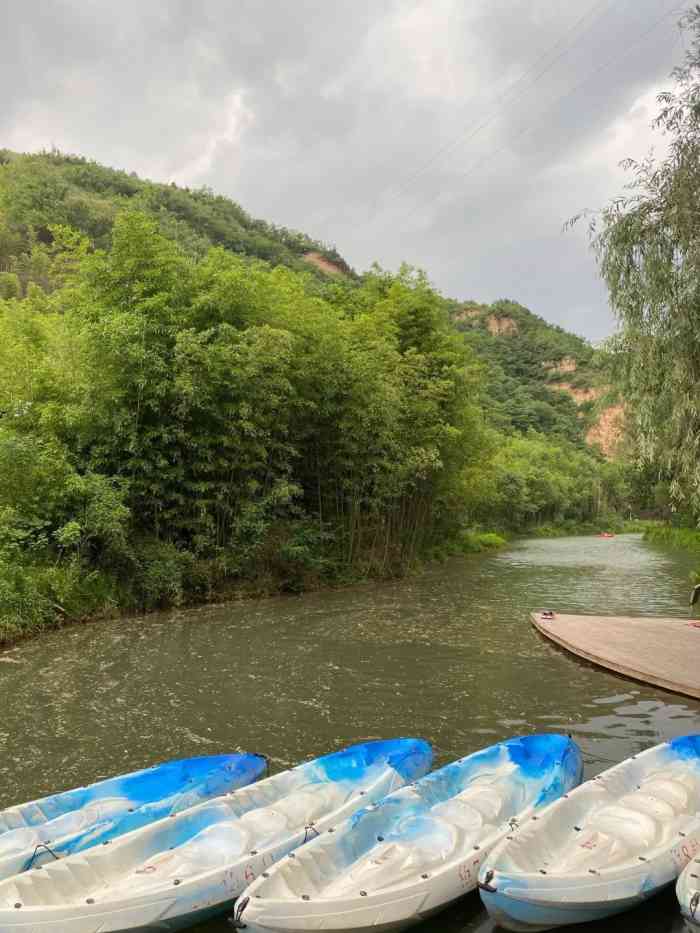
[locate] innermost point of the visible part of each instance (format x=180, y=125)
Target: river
x=448, y=654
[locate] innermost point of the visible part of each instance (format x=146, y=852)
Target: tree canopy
x=648, y=246
x=180, y=417
x=47, y=188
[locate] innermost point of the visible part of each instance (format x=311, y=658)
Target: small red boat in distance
x=606, y=534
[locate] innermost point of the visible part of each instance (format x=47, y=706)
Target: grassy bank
x=686, y=538
x=613, y=524
x=41, y=595
x=475, y=542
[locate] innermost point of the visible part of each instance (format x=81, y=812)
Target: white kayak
x=607, y=846
x=408, y=857
x=32, y=833
x=193, y=865
x=688, y=889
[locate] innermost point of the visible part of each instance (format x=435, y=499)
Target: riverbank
x=611, y=525
x=40, y=598
x=688, y=539
x=682, y=539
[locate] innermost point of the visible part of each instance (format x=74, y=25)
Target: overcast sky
x=457, y=135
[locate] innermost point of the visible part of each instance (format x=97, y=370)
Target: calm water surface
x=448, y=655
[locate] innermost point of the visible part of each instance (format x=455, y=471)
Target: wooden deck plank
x=662, y=652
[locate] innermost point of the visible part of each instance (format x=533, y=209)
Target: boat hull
x=129, y=921
x=605, y=848
x=390, y=916
x=688, y=893
x=193, y=865
x=526, y=916
x=420, y=849
x=34, y=833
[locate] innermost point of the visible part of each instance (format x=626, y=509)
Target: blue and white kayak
x=193, y=865
x=55, y=826
x=402, y=860
x=688, y=889
x=607, y=846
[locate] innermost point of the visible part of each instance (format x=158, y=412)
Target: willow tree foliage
x=648, y=247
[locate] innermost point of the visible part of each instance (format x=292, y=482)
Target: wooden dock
x=663, y=652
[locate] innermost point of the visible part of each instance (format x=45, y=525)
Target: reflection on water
x=449, y=655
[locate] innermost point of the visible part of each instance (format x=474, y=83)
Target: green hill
x=38, y=190
x=539, y=376
x=194, y=403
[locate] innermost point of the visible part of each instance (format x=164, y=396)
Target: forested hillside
x=542, y=377
x=536, y=368
x=39, y=190
x=187, y=408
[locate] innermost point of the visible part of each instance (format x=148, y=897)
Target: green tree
x=648, y=247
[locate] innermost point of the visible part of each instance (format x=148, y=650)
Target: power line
x=504, y=98
x=596, y=71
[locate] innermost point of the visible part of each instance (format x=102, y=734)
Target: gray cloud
x=396, y=129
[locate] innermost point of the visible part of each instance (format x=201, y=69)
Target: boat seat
x=265, y=824
x=624, y=829
x=305, y=805
x=643, y=802
x=679, y=787
x=632, y=827
x=685, y=773
x=412, y=847
x=673, y=792
x=16, y=841
x=593, y=850
x=460, y=813
x=212, y=847
x=487, y=800
x=63, y=882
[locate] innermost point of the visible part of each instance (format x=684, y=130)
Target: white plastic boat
x=688, y=889
x=396, y=863
x=609, y=845
x=192, y=865
x=32, y=833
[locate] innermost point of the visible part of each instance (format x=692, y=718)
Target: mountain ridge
x=39, y=189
